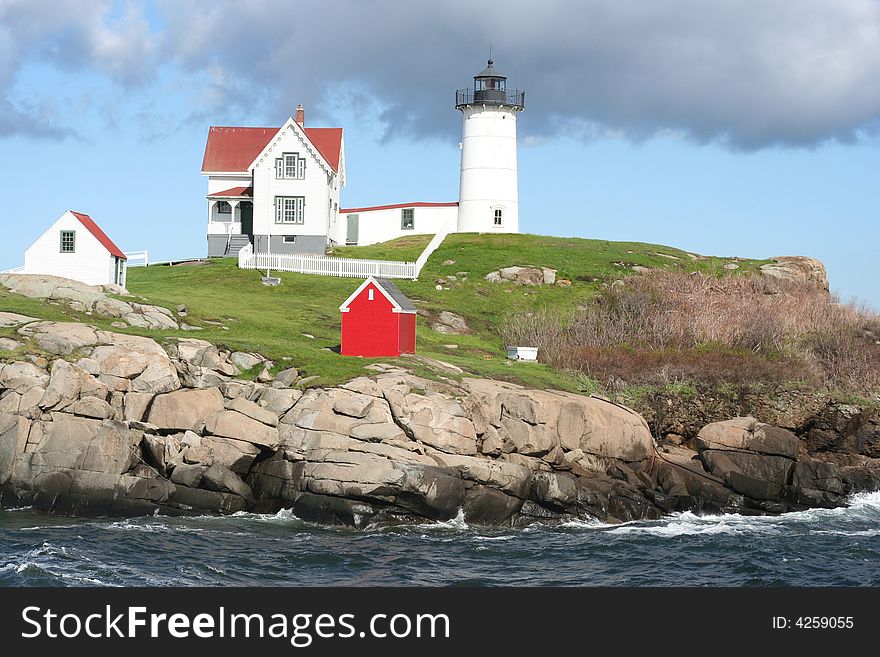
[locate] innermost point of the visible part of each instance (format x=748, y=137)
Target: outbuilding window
x=407, y=219
x=68, y=241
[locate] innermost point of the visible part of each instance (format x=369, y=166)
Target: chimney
x=300, y=116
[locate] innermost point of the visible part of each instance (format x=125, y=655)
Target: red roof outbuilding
x=90, y=225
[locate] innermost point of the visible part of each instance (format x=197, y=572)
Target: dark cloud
x=747, y=74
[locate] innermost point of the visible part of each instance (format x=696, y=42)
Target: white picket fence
x=14, y=270
x=325, y=266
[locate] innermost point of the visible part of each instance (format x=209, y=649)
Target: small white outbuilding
x=75, y=247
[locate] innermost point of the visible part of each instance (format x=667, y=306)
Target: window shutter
x=301, y=167
x=279, y=168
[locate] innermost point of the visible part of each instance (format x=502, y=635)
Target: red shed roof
x=400, y=302
x=417, y=204
x=99, y=234
x=234, y=148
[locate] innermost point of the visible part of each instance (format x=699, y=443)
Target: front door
x=247, y=217
x=351, y=236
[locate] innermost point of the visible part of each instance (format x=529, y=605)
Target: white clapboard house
x=278, y=189
x=75, y=247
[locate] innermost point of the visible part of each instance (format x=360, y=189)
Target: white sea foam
x=458, y=522
x=283, y=516
x=151, y=527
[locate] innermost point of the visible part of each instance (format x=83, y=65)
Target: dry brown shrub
x=676, y=326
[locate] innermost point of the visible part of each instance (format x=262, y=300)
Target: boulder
x=235, y=455
x=523, y=275
x=188, y=475
x=747, y=434
x=92, y=407
x=449, y=322
x=185, y=409
x=512, y=478
x=253, y=411
x=232, y=424
x=61, y=338
x=757, y=476
x=245, y=361
x=14, y=431
x=20, y=376
x=355, y=405
x=136, y=405
x=14, y=319
x=75, y=443
x=8, y=344
x=278, y=401
x=288, y=377
x=797, y=268
x=224, y=480
x=41, y=286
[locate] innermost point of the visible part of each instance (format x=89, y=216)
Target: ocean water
x=812, y=548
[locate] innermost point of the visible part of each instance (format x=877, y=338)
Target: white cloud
x=746, y=73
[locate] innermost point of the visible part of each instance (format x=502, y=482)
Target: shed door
x=351, y=236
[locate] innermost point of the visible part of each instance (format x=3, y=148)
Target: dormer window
x=291, y=166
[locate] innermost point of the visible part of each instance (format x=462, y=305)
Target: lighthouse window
x=499, y=215
x=407, y=220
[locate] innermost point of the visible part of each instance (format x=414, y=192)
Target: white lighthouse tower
x=488, y=200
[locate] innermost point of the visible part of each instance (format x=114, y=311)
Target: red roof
x=233, y=149
x=400, y=205
x=99, y=234
x=235, y=191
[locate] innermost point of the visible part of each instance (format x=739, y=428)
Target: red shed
x=378, y=320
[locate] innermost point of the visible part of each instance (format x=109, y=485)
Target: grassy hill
x=237, y=311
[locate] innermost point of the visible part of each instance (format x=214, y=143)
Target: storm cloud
x=746, y=74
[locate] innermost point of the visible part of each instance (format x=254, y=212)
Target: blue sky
x=751, y=134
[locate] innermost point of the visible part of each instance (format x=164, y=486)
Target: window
x=290, y=209
x=68, y=241
x=407, y=220
x=290, y=239
x=370, y=294
x=290, y=165
x=499, y=216
x=223, y=207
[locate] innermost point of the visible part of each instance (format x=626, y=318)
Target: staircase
x=236, y=243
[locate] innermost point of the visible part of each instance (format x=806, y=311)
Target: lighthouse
x=488, y=200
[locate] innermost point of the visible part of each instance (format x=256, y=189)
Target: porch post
x=232, y=206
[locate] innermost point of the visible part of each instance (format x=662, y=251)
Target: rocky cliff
x=114, y=423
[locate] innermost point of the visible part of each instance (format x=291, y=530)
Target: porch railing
x=137, y=258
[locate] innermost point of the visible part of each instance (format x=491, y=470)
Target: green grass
x=272, y=320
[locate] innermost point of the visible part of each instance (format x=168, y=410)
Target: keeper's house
x=75, y=247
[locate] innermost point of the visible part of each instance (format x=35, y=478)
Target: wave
x=457, y=523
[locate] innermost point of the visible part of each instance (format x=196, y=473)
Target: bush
x=674, y=327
